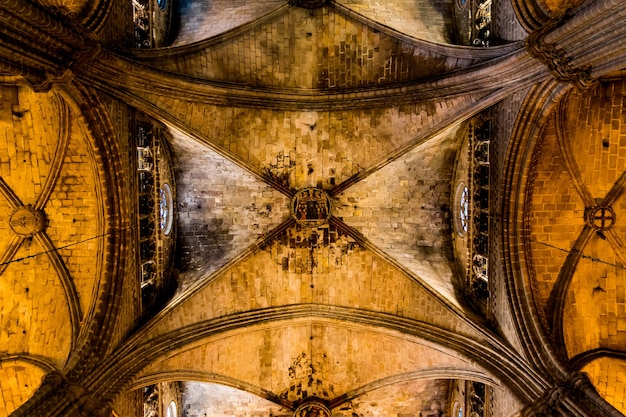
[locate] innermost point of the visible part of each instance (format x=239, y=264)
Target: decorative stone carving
x=600, y=218
x=26, y=221
x=312, y=407
x=557, y=60
x=310, y=207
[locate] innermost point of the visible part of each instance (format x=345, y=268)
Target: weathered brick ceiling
x=18, y=381
x=222, y=208
x=401, y=202
x=428, y=20
x=49, y=273
x=388, y=169
x=327, y=49
x=321, y=100
x=431, y=21
x=404, y=398
x=579, y=270
x=286, y=362
x=202, y=20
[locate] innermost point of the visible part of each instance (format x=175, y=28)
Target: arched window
x=171, y=410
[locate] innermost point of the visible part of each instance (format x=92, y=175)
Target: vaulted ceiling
x=368, y=103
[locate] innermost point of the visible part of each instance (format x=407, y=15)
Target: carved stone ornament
x=26, y=221
x=601, y=218
x=312, y=407
x=310, y=207
x=308, y=4
x=557, y=60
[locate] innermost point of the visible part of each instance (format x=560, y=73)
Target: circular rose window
x=166, y=208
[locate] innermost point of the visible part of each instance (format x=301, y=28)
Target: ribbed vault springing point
x=601, y=218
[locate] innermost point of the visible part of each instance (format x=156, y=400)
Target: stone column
x=574, y=397
x=584, y=44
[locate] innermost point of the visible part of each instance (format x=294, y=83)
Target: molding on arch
x=213, y=378
x=433, y=373
x=35, y=360
x=537, y=107
x=210, y=377
x=94, y=16
x=101, y=316
x=124, y=364
x=530, y=14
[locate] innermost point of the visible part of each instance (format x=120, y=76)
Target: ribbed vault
x=316, y=156
x=576, y=224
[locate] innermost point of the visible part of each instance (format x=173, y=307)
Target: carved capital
x=557, y=60
x=574, y=393
x=58, y=396
x=547, y=405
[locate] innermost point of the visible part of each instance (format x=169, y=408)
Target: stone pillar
x=574, y=397
x=38, y=45
x=58, y=397
x=583, y=45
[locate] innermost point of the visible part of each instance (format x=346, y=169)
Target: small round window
x=166, y=207
x=461, y=220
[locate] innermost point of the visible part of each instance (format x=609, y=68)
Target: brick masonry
x=296, y=360
x=557, y=218
x=313, y=49
x=305, y=149
x=222, y=209
x=18, y=381
x=302, y=149
x=35, y=312
x=429, y=20
x=286, y=273
x=203, y=399
x=202, y=20
x=569, y=179
x=34, y=316
x=73, y=216
x=607, y=375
